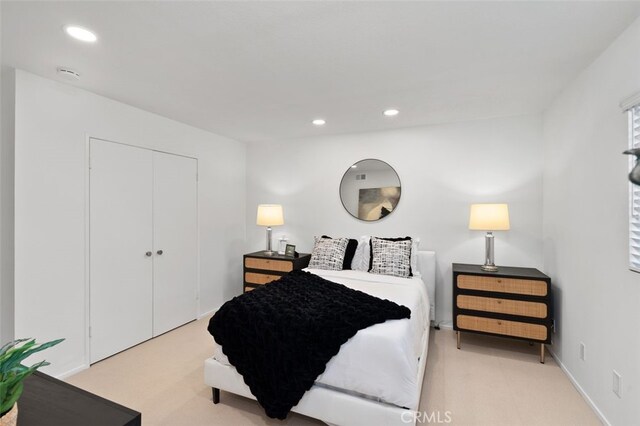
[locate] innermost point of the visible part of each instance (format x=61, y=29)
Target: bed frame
x=333, y=406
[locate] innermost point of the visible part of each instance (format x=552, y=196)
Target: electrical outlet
x=617, y=384
x=583, y=352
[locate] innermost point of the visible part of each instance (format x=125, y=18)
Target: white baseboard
x=445, y=324
x=582, y=392
x=208, y=313
x=71, y=372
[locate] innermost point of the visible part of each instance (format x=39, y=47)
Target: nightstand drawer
x=268, y=264
x=261, y=268
x=506, y=328
x=255, y=278
x=502, y=285
x=502, y=306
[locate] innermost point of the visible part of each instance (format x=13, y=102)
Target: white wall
x=53, y=122
x=443, y=169
x=586, y=229
x=5, y=316
x=6, y=205
x=6, y=198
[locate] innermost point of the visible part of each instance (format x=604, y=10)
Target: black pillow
x=352, y=245
x=386, y=239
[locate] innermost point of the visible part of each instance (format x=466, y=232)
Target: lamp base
x=489, y=265
x=268, y=251
x=489, y=268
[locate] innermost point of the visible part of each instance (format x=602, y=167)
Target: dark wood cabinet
x=512, y=302
x=49, y=401
x=260, y=268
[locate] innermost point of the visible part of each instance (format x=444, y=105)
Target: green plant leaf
x=13, y=397
x=11, y=344
x=13, y=373
x=14, y=355
x=22, y=352
x=4, y=389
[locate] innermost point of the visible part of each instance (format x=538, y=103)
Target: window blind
x=634, y=192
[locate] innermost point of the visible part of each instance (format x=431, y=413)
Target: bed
x=347, y=393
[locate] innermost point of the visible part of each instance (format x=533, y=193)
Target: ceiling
x=257, y=71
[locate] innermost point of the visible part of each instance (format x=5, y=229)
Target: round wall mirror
x=370, y=190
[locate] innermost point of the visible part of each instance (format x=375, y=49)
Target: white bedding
x=381, y=361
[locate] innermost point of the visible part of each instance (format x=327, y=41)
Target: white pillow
x=361, y=257
x=415, y=246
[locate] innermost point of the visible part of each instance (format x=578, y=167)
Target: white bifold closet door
x=121, y=232
x=175, y=266
x=143, y=245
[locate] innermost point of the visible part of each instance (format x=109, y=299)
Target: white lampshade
x=489, y=217
x=270, y=215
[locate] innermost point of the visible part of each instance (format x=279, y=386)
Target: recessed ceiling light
x=80, y=33
x=391, y=112
x=355, y=166
x=319, y=122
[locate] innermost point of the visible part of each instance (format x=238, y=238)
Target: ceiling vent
x=361, y=177
x=68, y=74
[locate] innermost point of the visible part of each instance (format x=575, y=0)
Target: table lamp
x=489, y=217
x=269, y=215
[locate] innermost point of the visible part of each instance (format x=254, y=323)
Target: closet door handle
x=159, y=252
x=148, y=254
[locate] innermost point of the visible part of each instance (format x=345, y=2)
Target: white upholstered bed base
x=334, y=406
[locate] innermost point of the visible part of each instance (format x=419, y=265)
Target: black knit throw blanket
x=280, y=336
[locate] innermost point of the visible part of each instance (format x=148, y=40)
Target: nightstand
x=260, y=268
x=512, y=302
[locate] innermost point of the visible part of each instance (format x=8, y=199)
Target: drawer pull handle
x=499, y=281
x=499, y=322
x=499, y=302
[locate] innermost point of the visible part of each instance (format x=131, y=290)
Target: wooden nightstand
x=513, y=302
x=260, y=268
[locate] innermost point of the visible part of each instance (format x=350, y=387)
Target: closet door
x=121, y=258
x=175, y=218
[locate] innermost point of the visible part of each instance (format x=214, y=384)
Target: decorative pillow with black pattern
x=391, y=256
x=350, y=251
x=328, y=253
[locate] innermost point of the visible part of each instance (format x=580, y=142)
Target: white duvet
x=381, y=361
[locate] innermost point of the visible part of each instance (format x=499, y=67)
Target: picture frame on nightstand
x=290, y=250
x=282, y=246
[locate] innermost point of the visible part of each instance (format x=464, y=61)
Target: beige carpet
x=489, y=381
